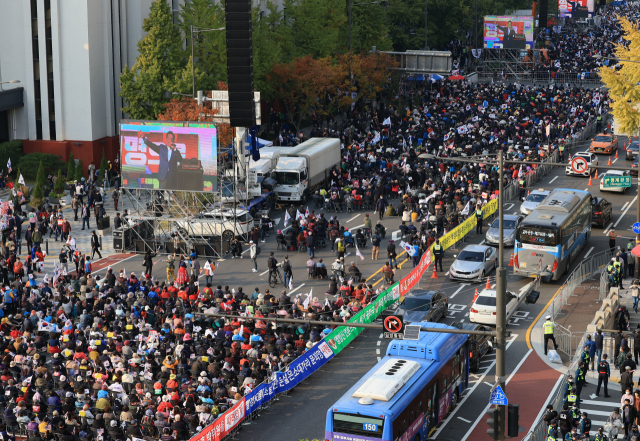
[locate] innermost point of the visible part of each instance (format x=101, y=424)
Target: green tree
x=79, y=172
x=41, y=179
x=103, y=165
x=37, y=196
x=71, y=168
x=210, y=48
x=314, y=27
x=144, y=86
x=369, y=28
x=16, y=184
x=269, y=40
x=58, y=188
x=183, y=80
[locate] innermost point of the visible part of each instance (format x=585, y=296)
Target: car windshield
x=508, y=224
x=536, y=197
x=586, y=158
x=603, y=139
x=470, y=256
x=413, y=304
x=486, y=301
x=286, y=178
x=633, y=146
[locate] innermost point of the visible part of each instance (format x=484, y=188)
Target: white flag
x=21, y=180
x=299, y=215
x=306, y=213
x=387, y=122
x=358, y=253
x=466, y=209
x=287, y=218
x=306, y=302
x=9, y=166
x=291, y=283
x=411, y=250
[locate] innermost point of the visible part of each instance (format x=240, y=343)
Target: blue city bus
x=407, y=394
x=550, y=238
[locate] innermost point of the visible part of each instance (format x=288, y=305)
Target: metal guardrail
x=572, y=343
x=584, y=79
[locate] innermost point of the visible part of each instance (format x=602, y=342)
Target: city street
x=307, y=404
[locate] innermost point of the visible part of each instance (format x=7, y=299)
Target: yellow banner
x=454, y=236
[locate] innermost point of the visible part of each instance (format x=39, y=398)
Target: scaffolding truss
x=168, y=221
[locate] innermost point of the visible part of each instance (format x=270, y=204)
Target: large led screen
x=168, y=155
x=508, y=32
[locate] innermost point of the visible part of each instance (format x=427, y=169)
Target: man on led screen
x=170, y=160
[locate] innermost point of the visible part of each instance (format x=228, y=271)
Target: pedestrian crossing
x=599, y=408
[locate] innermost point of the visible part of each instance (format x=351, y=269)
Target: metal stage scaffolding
x=168, y=221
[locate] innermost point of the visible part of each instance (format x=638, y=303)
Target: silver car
x=474, y=263
x=511, y=222
x=533, y=200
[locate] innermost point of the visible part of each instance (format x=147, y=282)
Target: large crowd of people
x=126, y=356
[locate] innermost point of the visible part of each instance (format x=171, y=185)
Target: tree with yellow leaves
x=624, y=83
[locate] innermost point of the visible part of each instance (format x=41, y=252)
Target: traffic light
x=513, y=427
x=494, y=422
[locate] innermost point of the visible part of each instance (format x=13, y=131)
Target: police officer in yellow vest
x=561, y=151
x=553, y=436
x=598, y=123
x=479, y=218
x=630, y=245
x=548, y=334
x=523, y=188
x=617, y=264
x=438, y=253
x=600, y=436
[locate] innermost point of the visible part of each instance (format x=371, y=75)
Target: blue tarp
x=261, y=142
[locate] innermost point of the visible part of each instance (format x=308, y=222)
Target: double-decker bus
x=407, y=394
x=552, y=236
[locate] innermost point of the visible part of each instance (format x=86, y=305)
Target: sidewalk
x=82, y=237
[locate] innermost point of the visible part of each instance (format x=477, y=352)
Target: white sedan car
x=483, y=310
x=592, y=162
x=614, y=174
x=533, y=200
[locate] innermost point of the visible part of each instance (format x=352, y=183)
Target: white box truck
x=302, y=169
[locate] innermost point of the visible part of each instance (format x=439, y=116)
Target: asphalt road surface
x=302, y=414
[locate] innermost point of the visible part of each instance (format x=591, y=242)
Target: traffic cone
x=596, y=174
x=488, y=285
x=445, y=232
x=475, y=296
x=590, y=183
x=617, y=153
x=435, y=273
x=609, y=163
x=511, y=260
x=528, y=193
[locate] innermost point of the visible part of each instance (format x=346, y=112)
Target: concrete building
x=67, y=56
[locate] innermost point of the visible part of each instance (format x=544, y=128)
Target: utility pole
x=501, y=307
x=637, y=269
x=193, y=68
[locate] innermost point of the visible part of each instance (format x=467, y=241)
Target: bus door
x=432, y=393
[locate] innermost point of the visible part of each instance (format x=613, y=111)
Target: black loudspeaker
x=143, y=246
x=104, y=223
x=204, y=249
x=544, y=12
x=118, y=243
x=242, y=110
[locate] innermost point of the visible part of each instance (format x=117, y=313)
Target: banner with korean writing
x=301, y=368
x=342, y=336
x=223, y=425
x=454, y=236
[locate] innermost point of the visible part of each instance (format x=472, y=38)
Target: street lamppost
x=637, y=269
x=193, y=61
x=8, y=82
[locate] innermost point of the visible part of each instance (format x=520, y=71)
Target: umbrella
x=435, y=78
x=456, y=77
x=425, y=156
x=636, y=251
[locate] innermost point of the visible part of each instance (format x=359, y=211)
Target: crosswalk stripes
x=599, y=408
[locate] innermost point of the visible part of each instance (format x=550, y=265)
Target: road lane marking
x=588, y=252
x=510, y=205
x=470, y=391
x=262, y=274
x=378, y=343
x=606, y=230
x=551, y=181
x=465, y=420
x=456, y=293
x=377, y=351
x=295, y=289
x=625, y=211
x=483, y=413
x=353, y=218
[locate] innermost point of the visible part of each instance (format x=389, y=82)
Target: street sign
x=636, y=228
x=579, y=164
x=617, y=181
x=412, y=332
x=393, y=327
x=498, y=396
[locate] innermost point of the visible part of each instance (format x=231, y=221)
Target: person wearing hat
x=612, y=238
x=548, y=334
x=604, y=373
